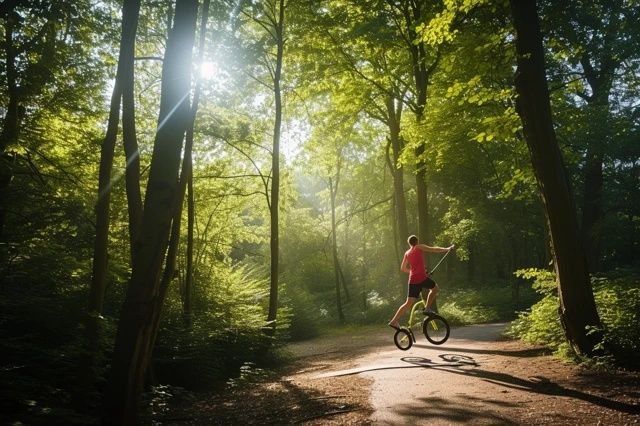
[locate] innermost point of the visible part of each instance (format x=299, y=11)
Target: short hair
x=412, y=240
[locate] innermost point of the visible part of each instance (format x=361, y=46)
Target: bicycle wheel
x=403, y=339
x=435, y=329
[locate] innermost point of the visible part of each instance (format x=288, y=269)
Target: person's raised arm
x=430, y=249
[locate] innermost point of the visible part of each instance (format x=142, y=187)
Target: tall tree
x=277, y=20
x=333, y=190
x=123, y=83
x=39, y=40
x=406, y=16
x=186, y=184
x=577, y=306
x=271, y=17
x=136, y=328
x=601, y=42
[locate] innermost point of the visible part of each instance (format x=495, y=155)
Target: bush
x=44, y=360
x=305, y=315
x=618, y=301
x=206, y=354
x=471, y=306
x=617, y=296
x=228, y=330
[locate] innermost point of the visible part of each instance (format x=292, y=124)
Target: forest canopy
x=208, y=180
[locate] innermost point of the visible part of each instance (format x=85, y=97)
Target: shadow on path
x=451, y=411
x=539, y=385
x=523, y=353
x=451, y=361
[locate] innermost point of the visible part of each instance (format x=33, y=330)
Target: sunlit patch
x=209, y=71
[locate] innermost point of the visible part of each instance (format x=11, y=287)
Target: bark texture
x=577, y=306
x=138, y=321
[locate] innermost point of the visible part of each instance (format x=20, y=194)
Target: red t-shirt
x=415, y=258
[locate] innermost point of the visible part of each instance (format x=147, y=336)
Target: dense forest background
x=343, y=126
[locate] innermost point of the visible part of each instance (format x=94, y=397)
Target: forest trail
x=476, y=377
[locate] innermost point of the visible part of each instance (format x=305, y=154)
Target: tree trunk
x=334, y=248
x=187, y=168
x=592, y=205
x=188, y=283
x=592, y=210
x=421, y=79
x=343, y=280
x=394, y=112
x=365, y=270
x=137, y=327
x=275, y=170
x=124, y=73
x=600, y=63
x=577, y=306
x=11, y=122
x=132, y=154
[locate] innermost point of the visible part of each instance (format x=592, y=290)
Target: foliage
x=490, y=304
x=228, y=330
x=617, y=296
x=42, y=357
x=343, y=61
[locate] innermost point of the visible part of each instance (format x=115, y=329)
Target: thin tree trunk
x=577, y=306
x=397, y=242
x=130, y=13
x=188, y=176
x=592, y=204
x=592, y=210
x=344, y=282
x=11, y=122
x=334, y=248
x=188, y=283
x=394, y=112
x=137, y=326
x=275, y=170
x=421, y=77
x=365, y=269
x=132, y=154
x=608, y=59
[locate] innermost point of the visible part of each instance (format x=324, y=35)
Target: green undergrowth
x=617, y=296
x=49, y=375
x=477, y=306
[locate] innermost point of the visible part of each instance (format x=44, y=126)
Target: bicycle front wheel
x=435, y=329
x=403, y=339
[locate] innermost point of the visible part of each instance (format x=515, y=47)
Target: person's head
x=412, y=240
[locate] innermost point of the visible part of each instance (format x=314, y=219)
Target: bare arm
x=430, y=249
x=405, y=267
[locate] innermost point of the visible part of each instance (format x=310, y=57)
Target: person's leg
x=431, y=297
x=395, y=321
x=424, y=294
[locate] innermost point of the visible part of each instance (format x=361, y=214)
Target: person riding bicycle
x=413, y=264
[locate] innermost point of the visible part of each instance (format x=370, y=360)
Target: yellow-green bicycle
x=435, y=328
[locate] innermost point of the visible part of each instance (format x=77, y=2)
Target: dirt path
x=474, y=378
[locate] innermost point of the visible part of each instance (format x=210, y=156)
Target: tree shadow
x=540, y=385
x=451, y=361
x=438, y=410
x=523, y=353
x=269, y=403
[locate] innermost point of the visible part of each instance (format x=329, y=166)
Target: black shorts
x=415, y=289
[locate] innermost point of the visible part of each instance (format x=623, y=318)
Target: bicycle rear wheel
x=435, y=329
x=403, y=339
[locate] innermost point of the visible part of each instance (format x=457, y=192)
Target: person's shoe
x=428, y=311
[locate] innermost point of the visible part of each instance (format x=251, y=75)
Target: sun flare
x=209, y=71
